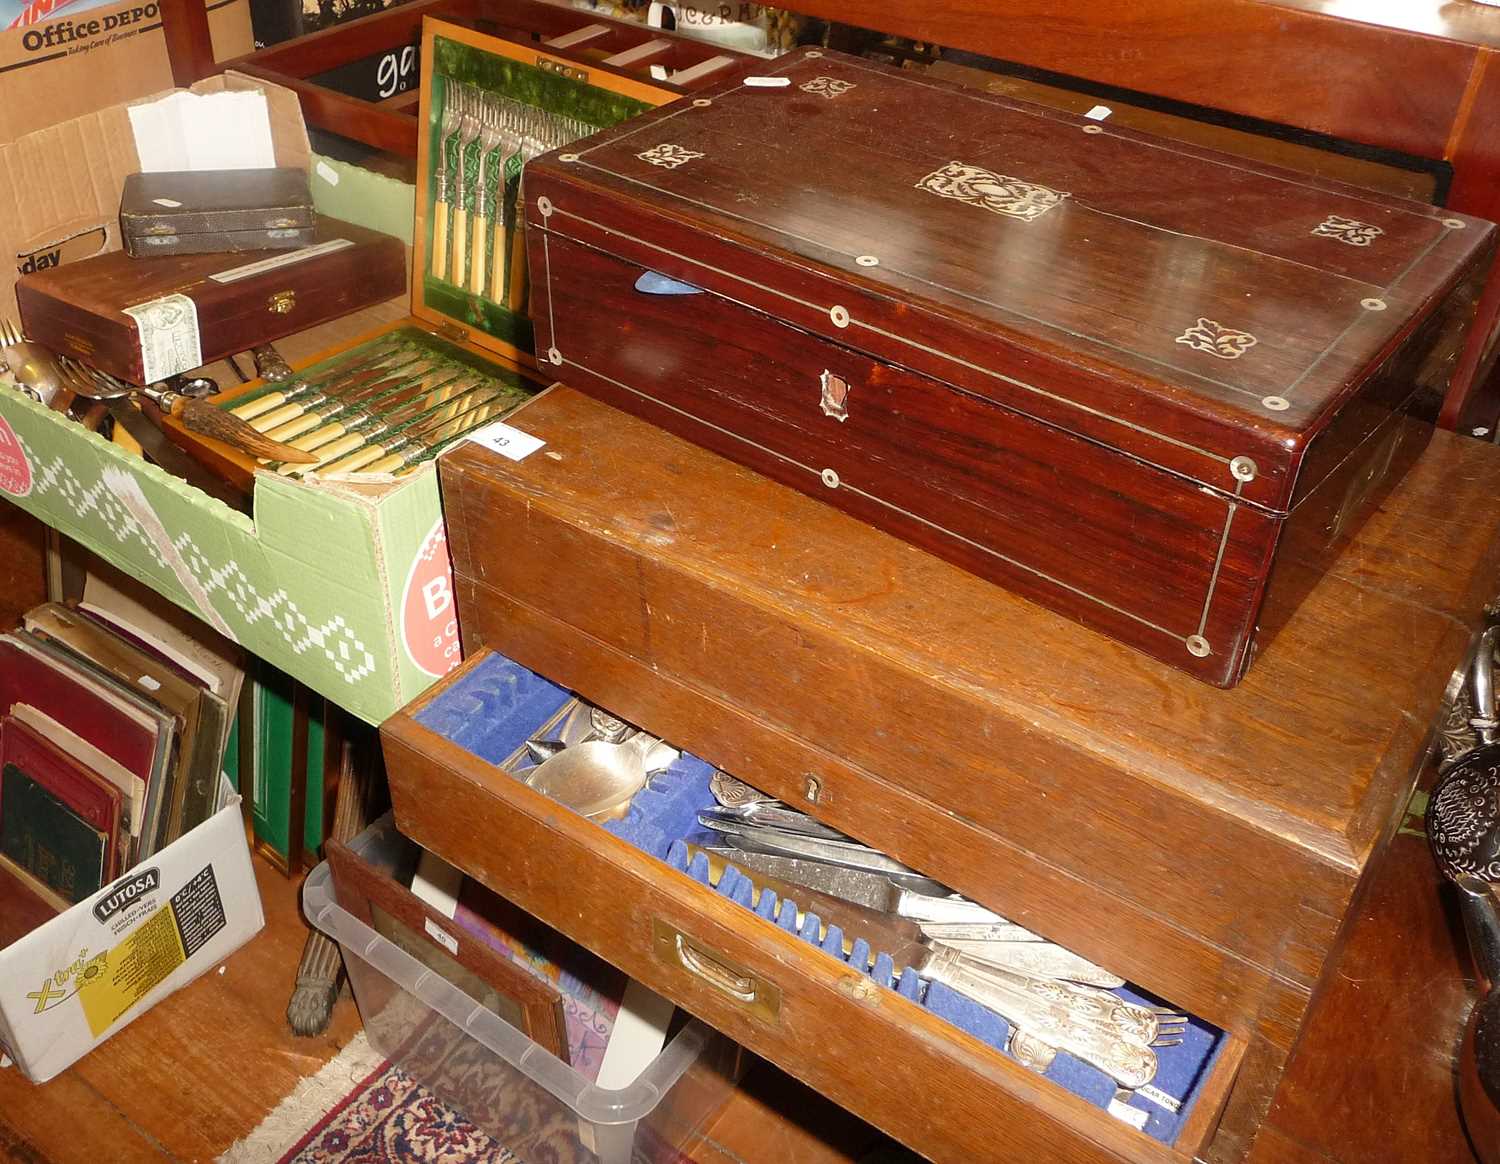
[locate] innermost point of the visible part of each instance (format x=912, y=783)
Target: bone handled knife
x=321, y=390
x=433, y=443
x=295, y=388
x=369, y=388
x=431, y=389
x=360, y=433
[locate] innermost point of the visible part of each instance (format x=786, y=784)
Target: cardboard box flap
x=346, y=587
x=63, y=182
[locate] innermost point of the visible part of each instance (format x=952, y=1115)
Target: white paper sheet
x=203, y=131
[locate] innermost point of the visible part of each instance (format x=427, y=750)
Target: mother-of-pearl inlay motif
x=1226, y=343
x=668, y=155
x=829, y=87
x=1348, y=230
x=997, y=193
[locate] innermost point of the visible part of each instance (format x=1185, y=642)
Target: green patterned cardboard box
x=344, y=586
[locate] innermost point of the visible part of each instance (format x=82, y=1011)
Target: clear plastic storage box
x=505, y=1084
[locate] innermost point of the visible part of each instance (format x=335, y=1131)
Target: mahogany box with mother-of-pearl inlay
x=1152, y=387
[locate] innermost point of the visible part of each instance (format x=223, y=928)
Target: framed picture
x=530, y=1004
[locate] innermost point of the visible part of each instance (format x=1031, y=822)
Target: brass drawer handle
x=675, y=948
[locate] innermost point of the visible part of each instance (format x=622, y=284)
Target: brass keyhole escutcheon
x=282, y=302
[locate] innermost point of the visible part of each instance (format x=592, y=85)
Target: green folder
x=271, y=714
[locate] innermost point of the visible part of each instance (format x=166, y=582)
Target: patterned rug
x=362, y=1108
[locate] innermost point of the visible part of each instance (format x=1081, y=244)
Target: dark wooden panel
x=392, y=129
x=1373, y=1077
x=353, y=40
x=1254, y=146
x=190, y=50
x=1280, y=62
x=1475, y=150
x=23, y=564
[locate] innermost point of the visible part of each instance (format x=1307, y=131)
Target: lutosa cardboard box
x=75, y=980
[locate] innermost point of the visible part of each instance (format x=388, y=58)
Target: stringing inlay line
x=1058, y=582
x=1214, y=457
x=649, y=122
x=547, y=275
x=1213, y=581
x=1386, y=290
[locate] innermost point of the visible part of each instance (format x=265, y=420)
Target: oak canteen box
x=1113, y=373
x=1211, y=846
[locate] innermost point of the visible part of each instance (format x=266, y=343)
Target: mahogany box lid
x=127, y=316
x=1185, y=307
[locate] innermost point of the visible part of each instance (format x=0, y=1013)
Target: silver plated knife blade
x=848, y=854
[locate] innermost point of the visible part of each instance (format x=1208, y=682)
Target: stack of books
x=111, y=747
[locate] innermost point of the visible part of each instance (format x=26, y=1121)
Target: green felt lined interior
x=529, y=85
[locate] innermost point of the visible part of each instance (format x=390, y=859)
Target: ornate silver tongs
x=1463, y=831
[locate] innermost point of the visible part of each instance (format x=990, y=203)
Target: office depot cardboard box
x=75, y=980
x=60, y=59
x=60, y=186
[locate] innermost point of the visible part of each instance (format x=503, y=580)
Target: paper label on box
x=509, y=442
x=15, y=469
x=234, y=274
x=169, y=203
x=169, y=339
x=1159, y=1097
x=1123, y=1112
x=171, y=935
x=441, y=936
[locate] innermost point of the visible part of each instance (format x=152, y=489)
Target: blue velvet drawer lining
x=497, y=705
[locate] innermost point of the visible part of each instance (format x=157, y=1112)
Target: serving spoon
x=598, y=778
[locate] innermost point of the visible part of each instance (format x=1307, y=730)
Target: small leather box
x=215, y=211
